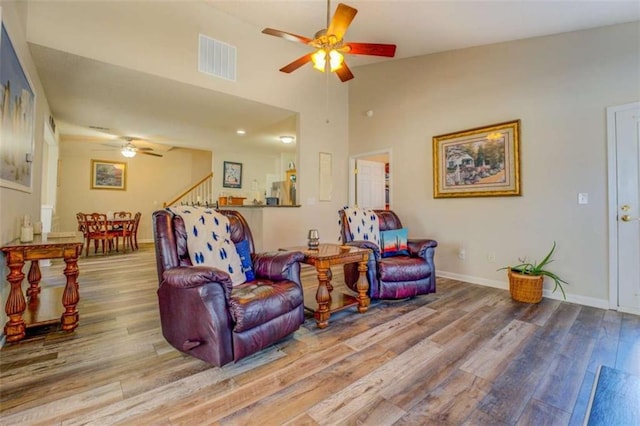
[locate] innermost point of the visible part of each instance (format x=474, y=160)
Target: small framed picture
x=108, y=175
x=232, y=175
x=480, y=162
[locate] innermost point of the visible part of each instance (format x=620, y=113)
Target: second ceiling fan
x=330, y=46
x=129, y=149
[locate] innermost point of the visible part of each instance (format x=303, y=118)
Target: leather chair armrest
x=275, y=265
x=418, y=247
x=196, y=276
x=367, y=245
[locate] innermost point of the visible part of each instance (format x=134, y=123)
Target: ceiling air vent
x=216, y=58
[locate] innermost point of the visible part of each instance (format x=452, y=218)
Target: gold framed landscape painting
x=108, y=175
x=479, y=162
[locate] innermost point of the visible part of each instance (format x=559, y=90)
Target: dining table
x=123, y=227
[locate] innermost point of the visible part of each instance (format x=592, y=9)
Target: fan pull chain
x=326, y=75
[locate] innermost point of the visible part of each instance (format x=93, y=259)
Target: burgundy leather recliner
x=203, y=315
x=396, y=277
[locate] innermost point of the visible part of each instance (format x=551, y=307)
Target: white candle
x=26, y=234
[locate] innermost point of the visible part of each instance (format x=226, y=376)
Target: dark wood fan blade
x=287, y=36
x=341, y=21
x=344, y=73
x=150, y=153
x=297, y=63
x=373, y=49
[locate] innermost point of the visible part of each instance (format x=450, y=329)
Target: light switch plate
x=583, y=198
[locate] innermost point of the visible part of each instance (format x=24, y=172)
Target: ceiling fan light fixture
x=287, y=139
x=319, y=60
x=128, y=151
x=335, y=60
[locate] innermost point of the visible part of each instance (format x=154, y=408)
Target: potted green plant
x=526, y=279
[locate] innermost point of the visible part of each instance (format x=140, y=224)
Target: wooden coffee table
x=326, y=256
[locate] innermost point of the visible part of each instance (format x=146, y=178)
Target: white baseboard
x=474, y=280
x=504, y=285
x=629, y=310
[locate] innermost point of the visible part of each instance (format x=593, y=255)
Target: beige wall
x=559, y=87
x=151, y=181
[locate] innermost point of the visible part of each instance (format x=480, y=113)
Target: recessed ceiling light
x=241, y=131
x=287, y=139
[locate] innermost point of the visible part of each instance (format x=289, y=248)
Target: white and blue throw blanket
x=363, y=225
x=209, y=240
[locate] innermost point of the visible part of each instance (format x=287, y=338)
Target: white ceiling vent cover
x=216, y=58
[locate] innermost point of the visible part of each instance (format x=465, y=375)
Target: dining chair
x=122, y=227
x=98, y=232
x=82, y=227
x=82, y=223
x=134, y=232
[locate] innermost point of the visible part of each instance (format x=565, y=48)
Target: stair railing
x=200, y=193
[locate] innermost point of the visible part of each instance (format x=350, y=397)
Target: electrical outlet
x=462, y=254
x=583, y=198
x=491, y=257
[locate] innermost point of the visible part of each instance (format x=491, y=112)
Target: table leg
x=363, y=286
x=70, y=296
x=15, y=328
x=34, y=279
x=323, y=297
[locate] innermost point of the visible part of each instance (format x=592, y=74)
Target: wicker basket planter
x=525, y=288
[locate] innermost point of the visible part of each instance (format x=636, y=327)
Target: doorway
x=370, y=180
x=623, y=146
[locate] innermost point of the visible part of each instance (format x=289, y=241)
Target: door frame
x=364, y=156
x=612, y=167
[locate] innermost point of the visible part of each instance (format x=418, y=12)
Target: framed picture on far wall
x=232, y=175
x=108, y=175
x=480, y=162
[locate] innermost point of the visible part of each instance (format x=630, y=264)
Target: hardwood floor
x=465, y=355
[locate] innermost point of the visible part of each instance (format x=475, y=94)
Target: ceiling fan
x=330, y=46
x=129, y=149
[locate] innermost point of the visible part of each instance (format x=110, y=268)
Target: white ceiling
x=82, y=92
x=420, y=27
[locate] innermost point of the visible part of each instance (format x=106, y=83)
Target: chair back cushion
x=388, y=220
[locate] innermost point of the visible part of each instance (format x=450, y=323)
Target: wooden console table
x=326, y=256
x=68, y=248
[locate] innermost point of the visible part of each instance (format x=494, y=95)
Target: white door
x=625, y=123
x=370, y=185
